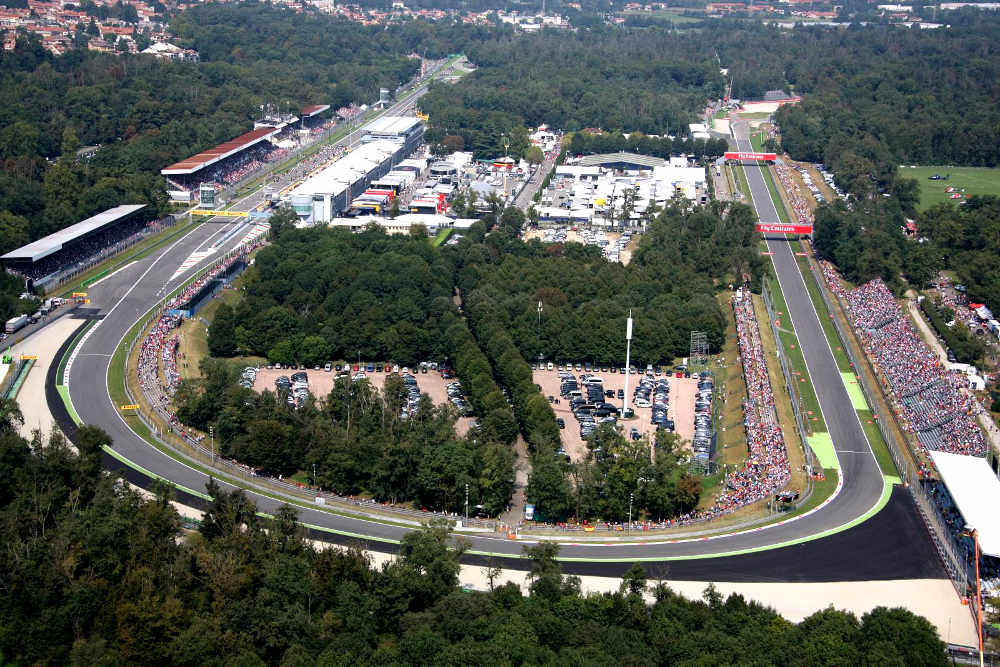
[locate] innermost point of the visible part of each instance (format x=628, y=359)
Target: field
x=967, y=180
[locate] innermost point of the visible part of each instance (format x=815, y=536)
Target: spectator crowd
x=766, y=469
x=803, y=213
x=931, y=401
x=79, y=255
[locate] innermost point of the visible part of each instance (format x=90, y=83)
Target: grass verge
x=800, y=373
x=133, y=254
x=965, y=180
x=441, y=237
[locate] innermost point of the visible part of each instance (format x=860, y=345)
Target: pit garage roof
x=976, y=492
x=220, y=152
x=311, y=110
x=392, y=125
x=52, y=243
x=626, y=158
x=347, y=170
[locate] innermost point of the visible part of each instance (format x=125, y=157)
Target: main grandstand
x=45, y=260
x=232, y=161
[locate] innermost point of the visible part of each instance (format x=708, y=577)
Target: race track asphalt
x=887, y=546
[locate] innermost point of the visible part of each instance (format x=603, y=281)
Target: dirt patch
x=680, y=409
x=321, y=383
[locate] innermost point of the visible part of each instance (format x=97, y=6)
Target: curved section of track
x=824, y=533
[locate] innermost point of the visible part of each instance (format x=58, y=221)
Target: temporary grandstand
x=188, y=174
x=58, y=252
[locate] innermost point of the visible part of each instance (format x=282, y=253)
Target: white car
x=641, y=403
x=549, y=366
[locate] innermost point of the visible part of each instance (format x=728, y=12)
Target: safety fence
x=58, y=279
x=169, y=433
x=941, y=536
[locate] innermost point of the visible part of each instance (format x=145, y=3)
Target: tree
x=548, y=488
x=222, y=332
x=314, y=351
x=533, y=154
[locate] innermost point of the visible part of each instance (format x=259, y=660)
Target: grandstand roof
x=52, y=243
x=976, y=492
x=220, y=152
x=311, y=110
x=615, y=158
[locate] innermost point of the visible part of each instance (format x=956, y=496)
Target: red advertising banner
x=751, y=156
x=781, y=228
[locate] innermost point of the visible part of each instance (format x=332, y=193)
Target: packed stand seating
x=767, y=469
x=929, y=399
x=233, y=169
x=157, y=367
x=81, y=253
x=798, y=201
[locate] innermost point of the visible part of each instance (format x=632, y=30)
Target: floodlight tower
x=628, y=358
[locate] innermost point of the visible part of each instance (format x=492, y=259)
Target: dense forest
x=96, y=574
x=670, y=286
x=644, y=81
x=320, y=294
x=866, y=241
x=880, y=96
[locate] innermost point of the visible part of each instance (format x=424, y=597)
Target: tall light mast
x=628, y=358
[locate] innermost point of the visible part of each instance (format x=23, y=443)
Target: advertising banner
x=751, y=156
x=782, y=228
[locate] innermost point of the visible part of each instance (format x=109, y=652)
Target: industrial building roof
x=311, y=110
x=395, y=125
x=976, y=492
x=220, y=152
x=52, y=243
x=335, y=179
x=614, y=158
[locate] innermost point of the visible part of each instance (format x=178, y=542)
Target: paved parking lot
x=321, y=382
x=680, y=410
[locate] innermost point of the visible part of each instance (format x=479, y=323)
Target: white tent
x=976, y=492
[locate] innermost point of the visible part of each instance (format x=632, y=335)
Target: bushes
x=958, y=338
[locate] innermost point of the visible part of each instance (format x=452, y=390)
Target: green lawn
x=969, y=180
x=442, y=236
x=665, y=15
x=797, y=362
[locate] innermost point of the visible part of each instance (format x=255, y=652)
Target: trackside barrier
x=155, y=418
x=946, y=545
x=793, y=394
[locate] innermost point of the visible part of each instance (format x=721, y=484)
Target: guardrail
x=794, y=397
x=158, y=422
x=944, y=542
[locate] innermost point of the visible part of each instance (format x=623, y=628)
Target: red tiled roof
x=313, y=109
x=220, y=152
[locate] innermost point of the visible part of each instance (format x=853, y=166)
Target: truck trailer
x=16, y=323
